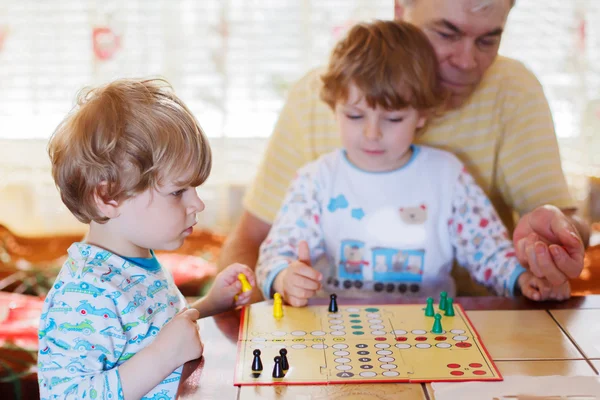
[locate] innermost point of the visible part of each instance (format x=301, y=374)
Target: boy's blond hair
x=123, y=138
x=391, y=62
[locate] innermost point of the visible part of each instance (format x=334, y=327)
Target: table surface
x=523, y=338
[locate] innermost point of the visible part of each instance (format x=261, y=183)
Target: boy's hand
x=539, y=289
x=299, y=281
x=179, y=340
x=226, y=286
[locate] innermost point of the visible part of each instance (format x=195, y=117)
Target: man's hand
x=299, y=281
x=548, y=244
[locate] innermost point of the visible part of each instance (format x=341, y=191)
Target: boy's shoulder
x=322, y=166
x=438, y=157
x=92, y=270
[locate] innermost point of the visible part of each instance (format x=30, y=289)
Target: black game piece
x=333, y=303
x=284, y=361
x=256, y=363
x=277, y=370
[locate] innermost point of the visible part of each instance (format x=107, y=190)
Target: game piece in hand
x=245, y=284
x=443, y=296
x=277, y=370
x=256, y=363
x=284, y=361
x=437, y=325
x=429, y=311
x=277, y=306
x=449, y=307
x=333, y=303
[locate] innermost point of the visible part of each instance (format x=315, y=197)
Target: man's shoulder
x=508, y=74
x=308, y=86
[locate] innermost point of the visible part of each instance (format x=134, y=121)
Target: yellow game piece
x=245, y=284
x=277, y=306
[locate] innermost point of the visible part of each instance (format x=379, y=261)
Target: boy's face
x=159, y=219
x=465, y=35
x=376, y=140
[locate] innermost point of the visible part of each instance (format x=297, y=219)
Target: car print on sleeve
x=138, y=300
x=156, y=287
x=86, y=308
x=83, y=287
x=130, y=326
x=162, y=395
x=49, y=327
x=84, y=345
x=130, y=282
x=50, y=366
x=114, y=331
x=75, y=367
x=60, y=306
x=84, y=327
x=111, y=273
x=152, y=311
x=153, y=331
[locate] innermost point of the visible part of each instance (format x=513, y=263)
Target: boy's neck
x=103, y=236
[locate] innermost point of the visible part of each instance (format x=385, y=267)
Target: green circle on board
x=358, y=333
x=355, y=321
x=355, y=315
x=371, y=309
x=356, y=327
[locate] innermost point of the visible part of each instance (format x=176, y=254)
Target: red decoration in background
x=19, y=319
x=3, y=35
x=106, y=43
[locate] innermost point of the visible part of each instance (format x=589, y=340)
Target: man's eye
x=444, y=35
x=487, y=43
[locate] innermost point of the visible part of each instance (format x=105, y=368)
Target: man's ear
x=398, y=10
x=109, y=208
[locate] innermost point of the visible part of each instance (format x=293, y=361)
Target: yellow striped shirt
x=504, y=135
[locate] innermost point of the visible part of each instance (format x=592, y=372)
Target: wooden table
x=523, y=337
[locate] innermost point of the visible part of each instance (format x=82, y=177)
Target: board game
x=359, y=344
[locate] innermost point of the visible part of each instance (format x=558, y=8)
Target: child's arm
x=298, y=220
x=177, y=342
x=79, y=352
x=481, y=239
x=226, y=291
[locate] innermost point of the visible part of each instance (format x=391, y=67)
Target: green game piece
x=443, y=296
x=437, y=325
x=429, y=311
x=449, y=308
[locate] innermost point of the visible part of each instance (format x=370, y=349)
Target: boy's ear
x=422, y=119
x=107, y=207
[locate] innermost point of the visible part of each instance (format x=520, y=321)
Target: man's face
x=466, y=36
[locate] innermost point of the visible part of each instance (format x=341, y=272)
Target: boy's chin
x=170, y=246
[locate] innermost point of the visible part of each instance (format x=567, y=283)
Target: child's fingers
x=530, y=291
x=300, y=293
x=296, y=301
x=306, y=283
x=243, y=299
x=191, y=313
x=308, y=272
x=304, y=252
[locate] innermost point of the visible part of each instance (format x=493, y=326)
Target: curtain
x=232, y=62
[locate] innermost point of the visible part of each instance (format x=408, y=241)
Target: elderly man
x=499, y=125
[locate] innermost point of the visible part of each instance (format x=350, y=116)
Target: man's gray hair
x=408, y=3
